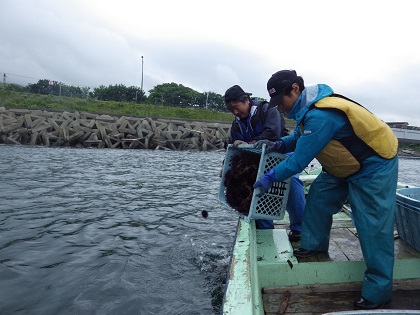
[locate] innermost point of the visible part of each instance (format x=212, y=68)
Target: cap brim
x=275, y=100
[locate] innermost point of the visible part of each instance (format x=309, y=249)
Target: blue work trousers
x=372, y=200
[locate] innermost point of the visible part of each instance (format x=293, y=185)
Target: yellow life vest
x=336, y=158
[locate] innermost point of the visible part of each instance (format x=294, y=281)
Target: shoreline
x=84, y=129
x=408, y=153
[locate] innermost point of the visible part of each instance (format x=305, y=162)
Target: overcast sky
x=366, y=50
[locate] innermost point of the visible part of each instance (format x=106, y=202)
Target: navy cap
x=234, y=93
x=278, y=83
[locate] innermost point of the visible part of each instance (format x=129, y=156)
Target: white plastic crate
x=407, y=216
x=271, y=205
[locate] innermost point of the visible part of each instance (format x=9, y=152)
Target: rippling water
x=408, y=171
x=102, y=231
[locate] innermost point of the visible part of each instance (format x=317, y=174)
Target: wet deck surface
x=295, y=302
x=318, y=299
x=344, y=243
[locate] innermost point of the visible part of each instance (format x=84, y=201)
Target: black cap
x=234, y=93
x=278, y=83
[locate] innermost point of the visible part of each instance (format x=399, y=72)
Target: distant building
x=405, y=133
x=402, y=125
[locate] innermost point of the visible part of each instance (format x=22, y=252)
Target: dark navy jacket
x=261, y=123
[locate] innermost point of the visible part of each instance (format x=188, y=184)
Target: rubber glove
x=265, y=182
x=277, y=146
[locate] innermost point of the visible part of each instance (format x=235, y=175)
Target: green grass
x=14, y=99
x=11, y=96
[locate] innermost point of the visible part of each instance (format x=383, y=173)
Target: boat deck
x=328, y=282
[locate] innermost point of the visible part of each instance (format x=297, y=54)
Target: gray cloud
x=68, y=42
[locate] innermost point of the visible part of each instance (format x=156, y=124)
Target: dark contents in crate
x=239, y=180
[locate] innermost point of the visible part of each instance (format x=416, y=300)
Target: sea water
x=107, y=231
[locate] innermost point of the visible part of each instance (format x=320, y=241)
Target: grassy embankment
x=10, y=98
x=14, y=99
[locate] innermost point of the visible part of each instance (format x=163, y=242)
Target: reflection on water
x=111, y=232
x=408, y=171
x=102, y=231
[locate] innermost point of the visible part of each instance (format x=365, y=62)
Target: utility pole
x=4, y=78
x=141, y=73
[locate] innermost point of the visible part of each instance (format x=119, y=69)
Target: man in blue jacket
x=254, y=121
x=358, y=153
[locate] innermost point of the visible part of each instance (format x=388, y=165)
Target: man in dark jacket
x=255, y=121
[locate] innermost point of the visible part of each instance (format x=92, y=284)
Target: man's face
x=240, y=109
x=285, y=105
x=287, y=101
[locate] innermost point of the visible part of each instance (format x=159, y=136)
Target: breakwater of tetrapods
x=83, y=129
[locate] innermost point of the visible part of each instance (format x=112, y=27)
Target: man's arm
x=320, y=127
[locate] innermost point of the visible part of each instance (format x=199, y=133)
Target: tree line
x=166, y=94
